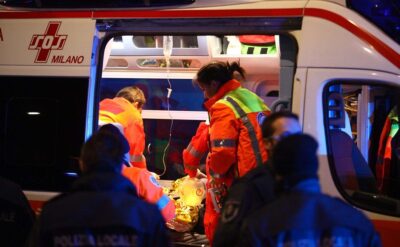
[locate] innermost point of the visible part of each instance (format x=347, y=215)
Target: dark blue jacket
x=305, y=217
x=103, y=209
x=247, y=194
x=16, y=215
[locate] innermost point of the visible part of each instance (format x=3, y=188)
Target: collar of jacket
x=222, y=91
x=104, y=181
x=310, y=185
x=121, y=99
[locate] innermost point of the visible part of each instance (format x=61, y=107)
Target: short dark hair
x=105, y=150
x=267, y=129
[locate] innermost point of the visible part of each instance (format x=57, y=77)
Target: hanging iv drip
x=167, y=49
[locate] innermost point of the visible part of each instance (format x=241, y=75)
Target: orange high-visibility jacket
x=233, y=112
x=236, y=143
x=149, y=189
x=121, y=112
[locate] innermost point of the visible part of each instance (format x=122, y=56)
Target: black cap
x=295, y=158
x=105, y=150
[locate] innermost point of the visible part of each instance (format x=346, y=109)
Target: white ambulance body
x=323, y=61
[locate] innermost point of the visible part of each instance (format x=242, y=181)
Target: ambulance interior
x=355, y=110
x=174, y=109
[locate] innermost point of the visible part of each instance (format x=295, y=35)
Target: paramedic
x=125, y=112
x=235, y=136
x=302, y=215
x=103, y=208
x=257, y=187
x=16, y=215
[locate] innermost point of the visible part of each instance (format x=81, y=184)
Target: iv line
x=167, y=50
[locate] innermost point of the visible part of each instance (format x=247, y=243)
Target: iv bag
x=167, y=46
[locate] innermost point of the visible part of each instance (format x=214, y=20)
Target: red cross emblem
x=47, y=42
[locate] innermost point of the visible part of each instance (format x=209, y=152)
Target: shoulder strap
x=250, y=128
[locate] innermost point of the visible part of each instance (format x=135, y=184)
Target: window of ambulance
x=42, y=129
x=170, y=121
x=362, y=123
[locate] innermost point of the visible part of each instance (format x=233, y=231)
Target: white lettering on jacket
x=69, y=240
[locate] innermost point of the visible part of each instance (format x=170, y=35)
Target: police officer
x=103, y=208
x=302, y=215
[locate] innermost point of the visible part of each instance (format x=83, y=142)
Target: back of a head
x=218, y=71
x=295, y=158
x=104, y=151
x=17, y=217
x=132, y=94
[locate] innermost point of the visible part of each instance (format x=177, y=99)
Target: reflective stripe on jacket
x=121, y=111
x=230, y=139
x=196, y=149
x=231, y=149
x=148, y=188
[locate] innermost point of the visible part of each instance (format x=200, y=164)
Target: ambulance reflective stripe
x=223, y=143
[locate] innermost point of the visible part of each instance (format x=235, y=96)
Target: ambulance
x=334, y=63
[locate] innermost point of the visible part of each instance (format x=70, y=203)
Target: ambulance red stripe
x=376, y=43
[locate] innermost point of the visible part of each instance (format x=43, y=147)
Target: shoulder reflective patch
x=153, y=180
x=261, y=117
x=162, y=202
x=230, y=212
